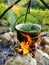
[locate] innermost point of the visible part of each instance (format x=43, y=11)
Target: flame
x=15, y=10
x=29, y=39
x=38, y=42
x=25, y=45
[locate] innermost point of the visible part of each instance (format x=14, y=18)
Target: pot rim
x=17, y=27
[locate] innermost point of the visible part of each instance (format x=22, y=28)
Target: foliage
x=43, y=15
x=37, y=4
x=2, y=9
x=1, y=1
x=22, y=2
x=41, y=5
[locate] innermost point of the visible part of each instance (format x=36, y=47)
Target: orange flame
x=25, y=45
x=38, y=42
x=15, y=10
x=29, y=39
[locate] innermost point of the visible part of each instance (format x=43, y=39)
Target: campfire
x=28, y=45
x=19, y=49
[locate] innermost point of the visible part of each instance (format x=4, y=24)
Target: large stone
x=41, y=57
x=46, y=49
x=46, y=40
x=1, y=56
x=21, y=60
x=48, y=34
x=45, y=37
x=6, y=38
x=10, y=38
x=13, y=34
x=43, y=33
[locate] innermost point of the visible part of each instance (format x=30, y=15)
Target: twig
x=44, y=3
x=9, y=8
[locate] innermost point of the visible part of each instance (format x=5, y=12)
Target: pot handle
x=16, y=22
x=28, y=12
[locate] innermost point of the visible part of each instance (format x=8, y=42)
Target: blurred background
x=37, y=8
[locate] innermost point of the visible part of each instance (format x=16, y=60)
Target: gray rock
x=41, y=57
x=13, y=34
x=10, y=38
x=21, y=60
x=46, y=40
x=44, y=33
x=48, y=34
x=46, y=49
x=1, y=56
x=6, y=38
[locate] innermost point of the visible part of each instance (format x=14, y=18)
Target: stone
x=46, y=49
x=48, y=34
x=6, y=38
x=45, y=40
x=43, y=33
x=1, y=56
x=10, y=38
x=13, y=34
x=41, y=57
x=45, y=37
x=16, y=40
x=21, y=60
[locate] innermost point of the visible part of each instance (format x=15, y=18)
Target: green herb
x=30, y=29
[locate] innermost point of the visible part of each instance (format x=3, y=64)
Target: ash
x=5, y=53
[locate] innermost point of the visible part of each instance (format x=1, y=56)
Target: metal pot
x=24, y=25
